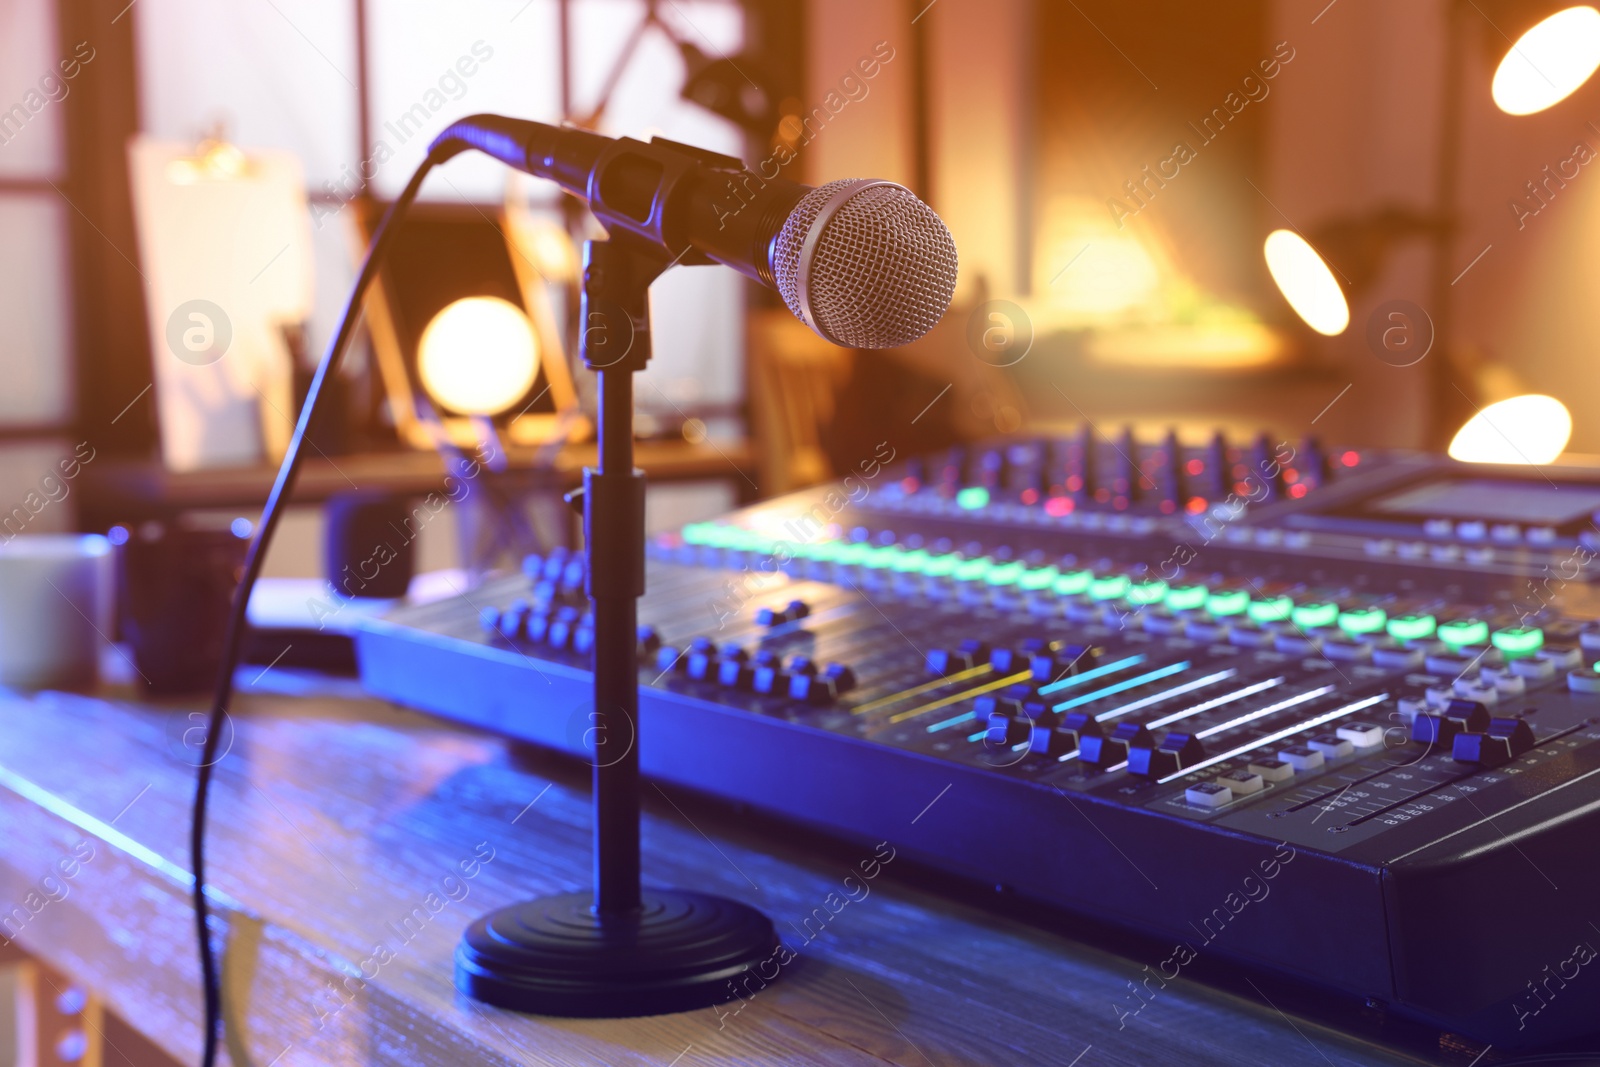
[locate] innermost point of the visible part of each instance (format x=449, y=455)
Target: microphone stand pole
x=625, y=950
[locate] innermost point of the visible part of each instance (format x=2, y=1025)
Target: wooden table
x=347, y=834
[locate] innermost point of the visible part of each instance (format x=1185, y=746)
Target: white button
x=1269, y=536
x=1445, y=553
x=1560, y=657
x=1296, y=645
x=1505, y=531
x=1243, y=783
x=1346, y=650
x=1471, y=530
x=1468, y=689
x=1380, y=546
x=1505, y=680
x=1297, y=539
x=1251, y=635
x=1480, y=555
x=1439, y=695
x=1410, y=708
x=1583, y=680
x=1397, y=657
x=1361, y=734
x=1208, y=795
x=1331, y=746
x=1437, y=527
x=1301, y=758
x=1275, y=770
x=1412, y=549
x=1541, y=535
x=1534, y=667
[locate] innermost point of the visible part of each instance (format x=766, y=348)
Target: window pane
x=31, y=89
x=696, y=333
x=34, y=497
x=418, y=89
x=280, y=74
x=646, y=101
x=434, y=63
x=36, y=344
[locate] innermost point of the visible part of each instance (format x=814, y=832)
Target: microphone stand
x=625, y=950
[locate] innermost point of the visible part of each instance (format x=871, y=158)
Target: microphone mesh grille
x=882, y=271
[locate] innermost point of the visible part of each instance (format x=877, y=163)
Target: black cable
x=281, y=488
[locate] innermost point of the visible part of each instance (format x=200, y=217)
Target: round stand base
x=555, y=956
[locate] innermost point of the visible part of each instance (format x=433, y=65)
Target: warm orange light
x=1306, y=282
x=1525, y=429
x=1549, y=62
x=478, y=356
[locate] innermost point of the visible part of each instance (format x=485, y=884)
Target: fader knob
x=1219, y=479
x=1083, y=468
x=1314, y=462
x=1265, y=470
x=1170, y=484
x=992, y=467
x=1126, y=483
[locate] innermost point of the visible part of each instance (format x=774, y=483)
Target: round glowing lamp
x=478, y=356
x=1529, y=429
x=1549, y=62
x=1306, y=282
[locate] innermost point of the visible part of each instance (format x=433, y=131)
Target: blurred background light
x=478, y=356
x=1549, y=62
x=1529, y=429
x=1306, y=282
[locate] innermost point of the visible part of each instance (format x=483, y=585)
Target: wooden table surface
x=339, y=830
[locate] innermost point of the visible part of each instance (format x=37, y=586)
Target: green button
x=1362, y=620
x=885, y=558
x=909, y=562
x=1311, y=616
x=1270, y=609
x=1412, y=627
x=970, y=570
x=1226, y=602
x=972, y=498
x=825, y=551
x=1071, y=583
x=1149, y=592
x=1187, y=597
x=696, y=533
x=1518, y=640
x=1039, y=578
x=941, y=566
x=1005, y=573
x=852, y=555
x=1109, y=587
x=1464, y=632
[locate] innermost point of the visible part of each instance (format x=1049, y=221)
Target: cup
x=55, y=597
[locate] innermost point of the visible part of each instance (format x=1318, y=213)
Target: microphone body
x=863, y=263
x=671, y=195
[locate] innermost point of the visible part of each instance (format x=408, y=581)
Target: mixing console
x=1326, y=712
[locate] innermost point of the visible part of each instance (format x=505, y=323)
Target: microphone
x=864, y=263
